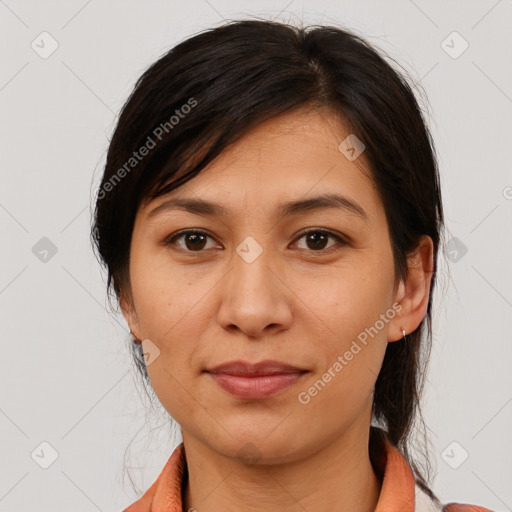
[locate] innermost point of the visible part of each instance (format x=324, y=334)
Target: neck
x=338, y=477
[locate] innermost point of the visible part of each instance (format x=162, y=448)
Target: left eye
x=195, y=241
x=318, y=236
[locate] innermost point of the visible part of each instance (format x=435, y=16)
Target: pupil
x=315, y=237
x=195, y=238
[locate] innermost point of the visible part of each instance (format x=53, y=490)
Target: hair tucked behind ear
x=245, y=72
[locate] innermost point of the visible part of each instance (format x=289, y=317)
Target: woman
x=270, y=217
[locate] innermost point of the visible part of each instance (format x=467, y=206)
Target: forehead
x=294, y=156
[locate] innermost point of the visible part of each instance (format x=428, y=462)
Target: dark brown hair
x=211, y=89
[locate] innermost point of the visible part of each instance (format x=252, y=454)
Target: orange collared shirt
x=399, y=492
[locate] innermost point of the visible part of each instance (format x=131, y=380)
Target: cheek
x=351, y=299
x=349, y=359
x=357, y=311
x=170, y=304
x=165, y=294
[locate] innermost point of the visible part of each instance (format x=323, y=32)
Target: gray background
x=65, y=370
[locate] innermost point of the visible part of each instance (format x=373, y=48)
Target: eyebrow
x=321, y=202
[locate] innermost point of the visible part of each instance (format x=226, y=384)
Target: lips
x=255, y=381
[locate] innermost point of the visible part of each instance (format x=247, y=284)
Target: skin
x=298, y=302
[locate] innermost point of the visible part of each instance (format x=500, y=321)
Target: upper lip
x=246, y=369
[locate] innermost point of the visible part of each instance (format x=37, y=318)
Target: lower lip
x=255, y=388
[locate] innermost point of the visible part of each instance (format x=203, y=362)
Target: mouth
x=255, y=381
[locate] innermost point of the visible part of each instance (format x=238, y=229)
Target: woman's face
x=253, y=286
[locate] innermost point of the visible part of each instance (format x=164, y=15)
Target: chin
x=257, y=444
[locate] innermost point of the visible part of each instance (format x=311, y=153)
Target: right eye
x=193, y=240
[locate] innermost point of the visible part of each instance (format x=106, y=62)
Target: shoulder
x=463, y=507
x=423, y=503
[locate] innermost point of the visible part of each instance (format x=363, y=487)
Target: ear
x=413, y=292
x=130, y=315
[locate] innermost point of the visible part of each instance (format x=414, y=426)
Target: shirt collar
x=397, y=491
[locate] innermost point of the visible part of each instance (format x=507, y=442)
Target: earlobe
x=414, y=291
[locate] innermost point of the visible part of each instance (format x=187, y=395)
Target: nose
x=255, y=298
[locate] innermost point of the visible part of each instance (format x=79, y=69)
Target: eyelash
x=171, y=240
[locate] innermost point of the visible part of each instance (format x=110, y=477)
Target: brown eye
x=193, y=241
x=317, y=239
